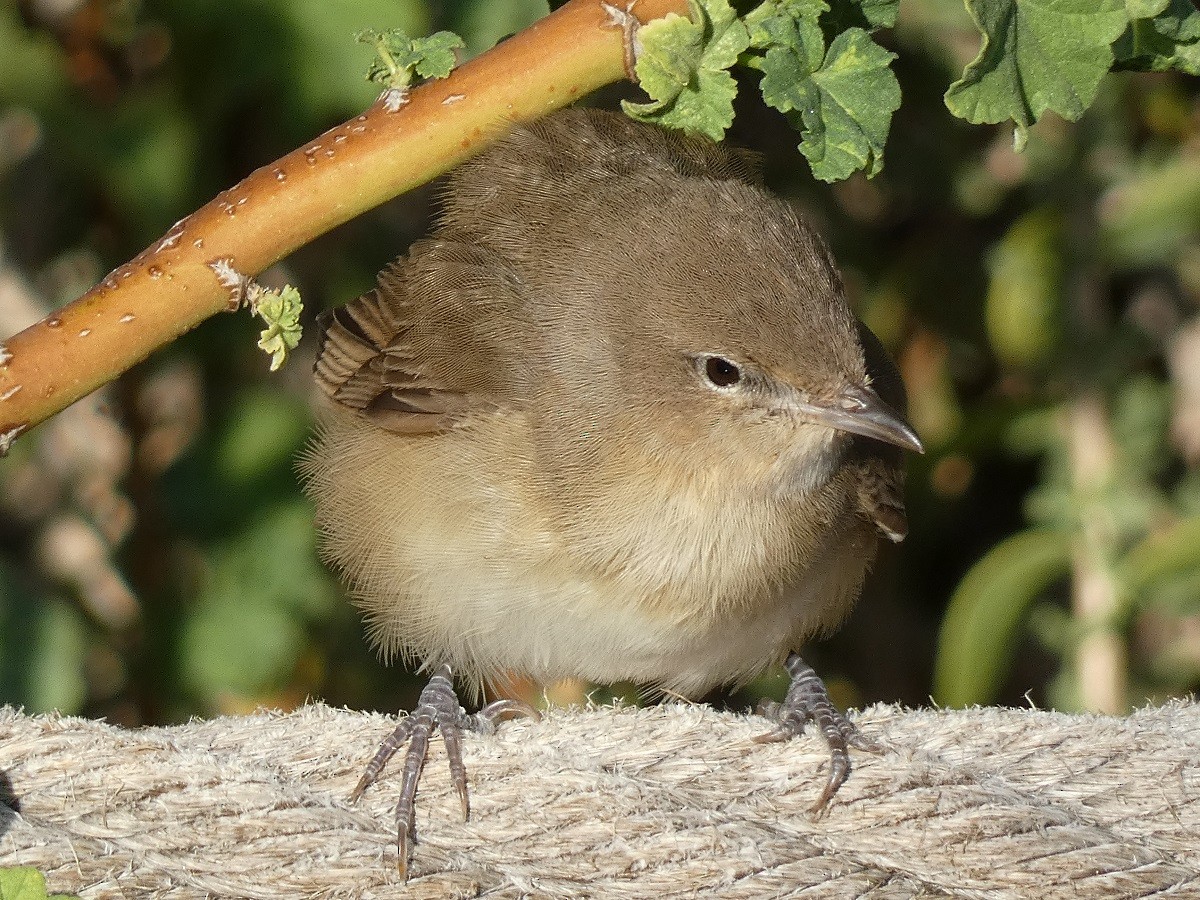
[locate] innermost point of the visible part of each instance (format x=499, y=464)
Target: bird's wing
x=439, y=338
x=881, y=485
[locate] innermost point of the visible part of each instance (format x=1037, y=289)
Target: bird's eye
x=720, y=372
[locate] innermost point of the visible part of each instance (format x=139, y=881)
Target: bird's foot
x=808, y=701
x=437, y=707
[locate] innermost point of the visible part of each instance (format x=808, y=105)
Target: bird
x=613, y=419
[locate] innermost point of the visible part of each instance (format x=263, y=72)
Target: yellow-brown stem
x=1100, y=660
x=170, y=288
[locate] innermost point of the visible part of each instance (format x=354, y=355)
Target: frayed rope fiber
x=673, y=801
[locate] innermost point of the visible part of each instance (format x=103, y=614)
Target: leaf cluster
x=819, y=64
x=822, y=67
x=399, y=58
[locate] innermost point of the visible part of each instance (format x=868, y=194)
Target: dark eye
x=721, y=372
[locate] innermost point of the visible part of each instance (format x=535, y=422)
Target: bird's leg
x=438, y=708
x=807, y=701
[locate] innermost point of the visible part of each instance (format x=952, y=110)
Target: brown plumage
x=614, y=420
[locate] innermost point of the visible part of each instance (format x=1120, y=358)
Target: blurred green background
x=157, y=558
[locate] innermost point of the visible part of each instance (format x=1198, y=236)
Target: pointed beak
x=859, y=410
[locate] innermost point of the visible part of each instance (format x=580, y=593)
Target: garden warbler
x=613, y=420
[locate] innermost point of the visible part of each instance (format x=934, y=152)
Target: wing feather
x=422, y=351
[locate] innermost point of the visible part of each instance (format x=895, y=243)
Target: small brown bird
x=613, y=420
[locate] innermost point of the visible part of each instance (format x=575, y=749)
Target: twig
x=170, y=288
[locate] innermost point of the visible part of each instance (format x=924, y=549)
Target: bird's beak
x=859, y=410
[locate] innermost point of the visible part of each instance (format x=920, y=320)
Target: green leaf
x=683, y=67
x=775, y=24
x=1036, y=55
x=434, y=56
x=263, y=432
x=43, y=669
x=399, y=57
x=1162, y=555
x=246, y=628
x=1152, y=217
x=22, y=883
x=880, y=13
x=980, y=628
x=843, y=97
x=1144, y=9
x=866, y=14
x=1025, y=291
x=787, y=83
x=280, y=310
x=25, y=883
x=854, y=94
x=1169, y=40
x=795, y=49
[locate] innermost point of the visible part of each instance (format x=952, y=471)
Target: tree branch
x=170, y=287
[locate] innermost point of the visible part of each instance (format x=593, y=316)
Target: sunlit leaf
x=44, y=669
x=981, y=625
x=1152, y=217
x=1036, y=55
x=1165, y=35
x=265, y=429
x=855, y=94
x=1161, y=555
x=247, y=627
x=1024, y=295
x=684, y=65
x=868, y=14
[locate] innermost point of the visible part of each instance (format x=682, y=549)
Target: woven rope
x=666, y=802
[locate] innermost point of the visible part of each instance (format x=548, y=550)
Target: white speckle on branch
x=630, y=26
x=7, y=437
x=453, y=98
x=227, y=275
x=10, y=393
x=242, y=289
x=5, y=355
x=393, y=98
x=172, y=237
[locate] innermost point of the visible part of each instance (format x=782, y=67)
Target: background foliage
x=157, y=558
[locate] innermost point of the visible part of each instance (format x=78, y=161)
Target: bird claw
x=808, y=701
x=437, y=708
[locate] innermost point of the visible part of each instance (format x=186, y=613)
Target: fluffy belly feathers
x=483, y=583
